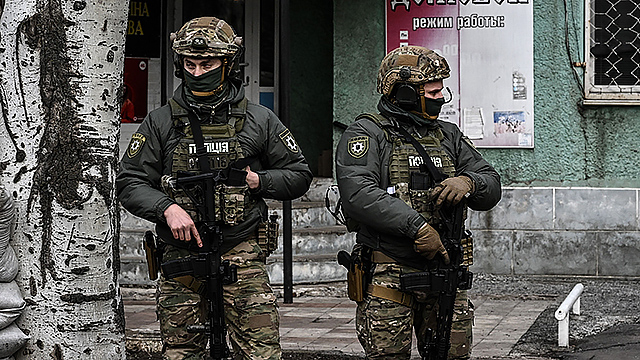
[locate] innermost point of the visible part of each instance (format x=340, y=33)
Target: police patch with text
x=358, y=146
x=289, y=141
x=137, y=141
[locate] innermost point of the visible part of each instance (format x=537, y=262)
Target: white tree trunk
x=61, y=67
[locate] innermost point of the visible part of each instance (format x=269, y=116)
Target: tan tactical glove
x=452, y=190
x=428, y=243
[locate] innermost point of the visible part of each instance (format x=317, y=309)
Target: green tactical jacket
x=283, y=171
x=387, y=223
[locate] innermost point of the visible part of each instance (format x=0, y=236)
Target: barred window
x=613, y=51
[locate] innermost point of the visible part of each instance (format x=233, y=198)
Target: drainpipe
x=284, y=114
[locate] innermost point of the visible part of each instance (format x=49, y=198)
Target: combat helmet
x=206, y=37
x=404, y=70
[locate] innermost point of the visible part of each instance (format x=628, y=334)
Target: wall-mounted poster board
x=489, y=47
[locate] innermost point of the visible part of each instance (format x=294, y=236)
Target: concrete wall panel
x=555, y=253
x=596, y=209
x=619, y=253
x=519, y=208
x=492, y=251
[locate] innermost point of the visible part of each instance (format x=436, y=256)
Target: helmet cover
x=206, y=37
x=414, y=65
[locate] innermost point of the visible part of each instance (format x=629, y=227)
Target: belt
x=390, y=294
x=379, y=257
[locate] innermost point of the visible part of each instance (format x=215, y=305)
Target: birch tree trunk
x=61, y=64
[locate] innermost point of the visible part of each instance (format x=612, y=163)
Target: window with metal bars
x=613, y=50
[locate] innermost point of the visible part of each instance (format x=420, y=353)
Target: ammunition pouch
x=153, y=254
x=268, y=235
x=419, y=198
x=233, y=202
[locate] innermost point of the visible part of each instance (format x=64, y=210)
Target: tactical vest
x=223, y=150
x=405, y=160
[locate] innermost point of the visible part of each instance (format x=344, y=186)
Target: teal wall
x=358, y=44
x=575, y=145
x=311, y=74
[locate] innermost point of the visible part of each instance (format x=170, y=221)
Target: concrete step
x=317, y=189
x=314, y=256
x=317, y=238
x=306, y=241
x=306, y=270
x=304, y=215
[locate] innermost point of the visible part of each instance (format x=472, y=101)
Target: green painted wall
x=575, y=145
x=358, y=45
x=311, y=74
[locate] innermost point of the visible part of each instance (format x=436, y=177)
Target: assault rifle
x=440, y=277
x=446, y=280
x=201, y=190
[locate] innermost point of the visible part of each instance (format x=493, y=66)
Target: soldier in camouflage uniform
x=235, y=131
x=400, y=225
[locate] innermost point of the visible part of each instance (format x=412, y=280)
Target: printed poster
x=489, y=47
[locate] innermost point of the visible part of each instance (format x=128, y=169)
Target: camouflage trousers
x=251, y=311
x=385, y=327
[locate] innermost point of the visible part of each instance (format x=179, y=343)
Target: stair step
x=317, y=189
x=306, y=269
x=316, y=238
x=326, y=239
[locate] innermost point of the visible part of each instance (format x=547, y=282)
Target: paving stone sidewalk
x=327, y=324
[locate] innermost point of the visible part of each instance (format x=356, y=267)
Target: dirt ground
x=607, y=305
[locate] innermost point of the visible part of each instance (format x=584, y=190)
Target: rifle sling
x=433, y=170
x=201, y=151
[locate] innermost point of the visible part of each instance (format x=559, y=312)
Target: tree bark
x=61, y=64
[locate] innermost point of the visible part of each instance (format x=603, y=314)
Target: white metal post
x=562, y=314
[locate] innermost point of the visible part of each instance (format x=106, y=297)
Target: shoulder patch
x=137, y=141
x=358, y=146
x=468, y=141
x=289, y=141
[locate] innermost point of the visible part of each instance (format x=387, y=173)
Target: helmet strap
x=423, y=105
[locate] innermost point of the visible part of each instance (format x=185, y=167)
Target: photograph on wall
x=489, y=47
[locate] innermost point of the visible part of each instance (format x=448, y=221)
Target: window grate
x=613, y=44
x=616, y=42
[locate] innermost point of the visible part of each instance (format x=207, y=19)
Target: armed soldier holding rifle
x=405, y=180
x=199, y=167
